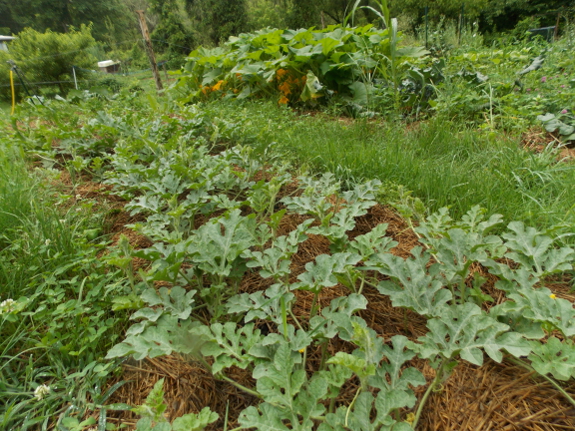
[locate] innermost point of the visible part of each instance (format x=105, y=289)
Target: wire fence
x=82, y=77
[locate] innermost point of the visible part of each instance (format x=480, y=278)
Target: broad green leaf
x=212, y=76
x=166, y=336
x=229, y=344
x=412, y=51
x=464, y=330
x=373, y=242
x=270, y=419
x=537, y=305
x=359, y=417
x=313, y=88
x=534, y=250
x=361, y=93
x=279, y=381
x=319, y=274
x=389, y=374
x=357, y=365
x=411, y=286
x=217, y=244
x=337, y=317
x=176, y=301
x=307, y=403
x=195, y=421
x=554, y=357
x=261, y=305
x=328, y=45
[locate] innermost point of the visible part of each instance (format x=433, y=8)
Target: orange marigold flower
x=283, y=100
x=206, y=89
x=284, y=88
x=281, y=72
x=218, y=86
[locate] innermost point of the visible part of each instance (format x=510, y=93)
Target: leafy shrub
x=48, y=57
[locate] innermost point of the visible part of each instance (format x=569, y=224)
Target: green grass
x=61, y=323
x=5, y=106
x=445, y=164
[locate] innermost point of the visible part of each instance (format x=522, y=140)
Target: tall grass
x=59, y=326
x=35, y=236
x=445, y=164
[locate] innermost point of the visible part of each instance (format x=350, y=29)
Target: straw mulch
x=188, y=388
x=488, y=398
x=537, y=139
x=500, y=397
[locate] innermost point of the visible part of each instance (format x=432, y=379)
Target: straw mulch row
x=491, y=397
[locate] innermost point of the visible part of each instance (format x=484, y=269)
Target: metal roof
x=5, y=38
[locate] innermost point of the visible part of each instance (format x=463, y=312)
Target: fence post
x=166, y=73
x=75, y=80
x=150, y=50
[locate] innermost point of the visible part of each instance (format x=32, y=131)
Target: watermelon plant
x=212, y=213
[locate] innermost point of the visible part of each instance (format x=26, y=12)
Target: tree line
x=54, y=35
x=189, y=23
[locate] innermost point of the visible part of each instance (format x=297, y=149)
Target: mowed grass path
x=443, y=163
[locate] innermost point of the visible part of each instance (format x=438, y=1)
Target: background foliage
x=49, y=56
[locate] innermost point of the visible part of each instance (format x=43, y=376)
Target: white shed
x=4, y=42
x=109, y=66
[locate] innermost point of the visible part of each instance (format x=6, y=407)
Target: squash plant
x=305, y=65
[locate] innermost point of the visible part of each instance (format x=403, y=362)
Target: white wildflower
x=41, y=391
x=7, y=306
x=47, y=242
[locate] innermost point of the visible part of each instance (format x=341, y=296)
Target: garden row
x=364, y=71
x=226, y=283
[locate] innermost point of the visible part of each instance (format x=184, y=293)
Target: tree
x=304, y=14
x=450, y=9
x=60, y=15
x=219, y=19
x=505, y=14
x=170, y=36
x=266, y=13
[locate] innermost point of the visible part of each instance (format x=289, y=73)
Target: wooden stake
x=166, y=74
x=150, y=49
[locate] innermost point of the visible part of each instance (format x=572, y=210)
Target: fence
x=77, y=77
x=549, y=33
